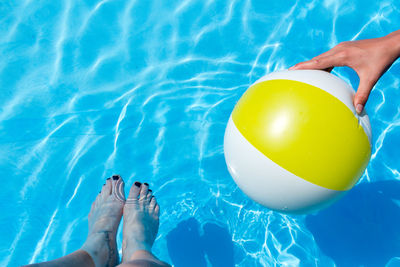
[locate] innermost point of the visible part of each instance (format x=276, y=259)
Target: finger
x=328, y=53
x=337, y=51
x=320, y=63
x=362, y=94
x=299, y=67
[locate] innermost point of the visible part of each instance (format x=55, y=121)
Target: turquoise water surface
x=145, y=89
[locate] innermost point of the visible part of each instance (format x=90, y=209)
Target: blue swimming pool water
x=144, y=89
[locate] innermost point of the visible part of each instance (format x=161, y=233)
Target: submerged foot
x=141, y=222
x=104, y=218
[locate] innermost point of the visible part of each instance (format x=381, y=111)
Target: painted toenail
x=115, y=177
x=138, y=184
x=150, y=190
x=108, y=178
x=146, y=184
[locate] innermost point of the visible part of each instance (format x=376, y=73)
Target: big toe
x=134, y=193
x=118, y=185
x=144, y=190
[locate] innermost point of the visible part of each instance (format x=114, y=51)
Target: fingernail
x=146, y=184
x=359, y=108
x=115, y=177
x=138, y=184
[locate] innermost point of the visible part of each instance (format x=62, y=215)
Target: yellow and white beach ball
x=294, y=142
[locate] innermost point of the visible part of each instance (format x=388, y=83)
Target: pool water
x=145, y=89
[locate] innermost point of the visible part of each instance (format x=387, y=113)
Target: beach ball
x=294, y=142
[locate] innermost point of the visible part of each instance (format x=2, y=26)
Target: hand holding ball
x=294, y=142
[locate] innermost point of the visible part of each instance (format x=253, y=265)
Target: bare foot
x=140, y=227
x=104, y=218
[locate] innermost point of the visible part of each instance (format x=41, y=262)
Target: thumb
x=362, y=94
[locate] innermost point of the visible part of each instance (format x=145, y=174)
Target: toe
x=118, y=186
x=93, y=206
x=157, y=210
x=106, y=189
x=149, y=195
x=153, y=203
x=134, y=192
x=108, y=186
x=97, y=201
x=144, y=189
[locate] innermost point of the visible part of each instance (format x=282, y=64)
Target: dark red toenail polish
x=108, y=178
x=115, y=177
x=104, y=184
x=150, y=190
x=146, y=184
x=138, y=184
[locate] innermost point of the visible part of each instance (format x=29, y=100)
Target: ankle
x=130, y=248
x=144, y=258
x=84, y=257
x=98, y=246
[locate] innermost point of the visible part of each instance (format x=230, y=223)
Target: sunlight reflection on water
x=145, y=89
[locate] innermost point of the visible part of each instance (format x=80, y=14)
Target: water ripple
x=145, y=89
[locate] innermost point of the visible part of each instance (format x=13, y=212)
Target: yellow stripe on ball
x=305, y=130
